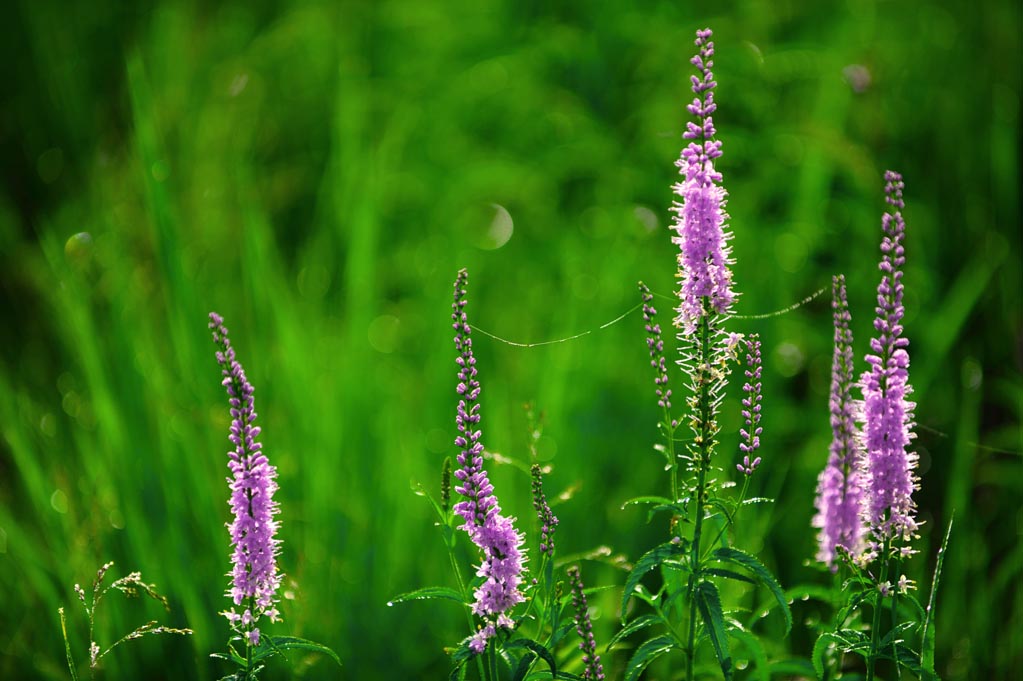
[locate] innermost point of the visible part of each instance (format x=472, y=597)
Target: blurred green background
x=317, y=173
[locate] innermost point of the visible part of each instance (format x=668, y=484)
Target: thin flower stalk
x=839, y=486
x=751, y=408
x=655, y=347
x=255, y=579
x=494, y=534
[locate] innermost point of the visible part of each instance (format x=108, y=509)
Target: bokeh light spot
x=58, y=500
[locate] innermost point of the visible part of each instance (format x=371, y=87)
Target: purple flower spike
x=655, y=344
x=700, y=217
x=888, y=469
x=255, y=579
x=751, y=407
x=593, y=671
x=839, y=487
x=493, y=533
x=548, y=521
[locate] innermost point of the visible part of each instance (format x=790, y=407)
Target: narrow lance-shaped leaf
x=647, y=653
x=762, y=574
x=279, y=644
x=821, y=647
x=709, y=603
x=538, y=649
x=638, y=624
x=648, y=562
x=428, y=593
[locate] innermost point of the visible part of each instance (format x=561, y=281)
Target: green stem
x=492, y=661
x=669, y=437
x=730, y=517
x=875, y=627
x=705, y=414
x=450, y=545
x=895, y=620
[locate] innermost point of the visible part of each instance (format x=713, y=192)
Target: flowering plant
x=687, y=606
x=254, y=575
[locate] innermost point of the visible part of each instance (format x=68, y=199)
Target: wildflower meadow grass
x=482, y=451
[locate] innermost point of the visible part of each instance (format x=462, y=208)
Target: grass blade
x=927, y=635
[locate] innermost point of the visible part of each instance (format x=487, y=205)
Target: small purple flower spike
x=255, y=579
x=493, y=533
x=593, y=671
x=839, y=487
x=702, y=237
x=888, y=469
x=751, y=407
x=548, y=521
x=655, y=344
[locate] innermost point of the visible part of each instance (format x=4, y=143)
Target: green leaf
x=632, y=627
x=428, y=593
x=231, y=656
x=852, y=602
x=646, y=500
x=728, y=574
x=539, y=649
x=909, y=659
x=805, y=592
x=927, y=633
x=458, y=671
x=908, y=599
x=279, y=644
x=462, y=652
x=420, y=491
x=726, y=506
x=898, y=630
x=648, y=562
x=756, y=652
x=647, y=653
x=677, y=509
x=561, y=632
x=752, y=564
x=854, y=638
x=792, y=666
x=709, y=603
x=821, y=647
x=524, y=664
x=567, y=598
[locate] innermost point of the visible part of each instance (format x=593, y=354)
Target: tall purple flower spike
x=702, y=237
x=751, y=407
x=839, y=487
x=254, y=576
x=888, y=468
x=494, y=534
